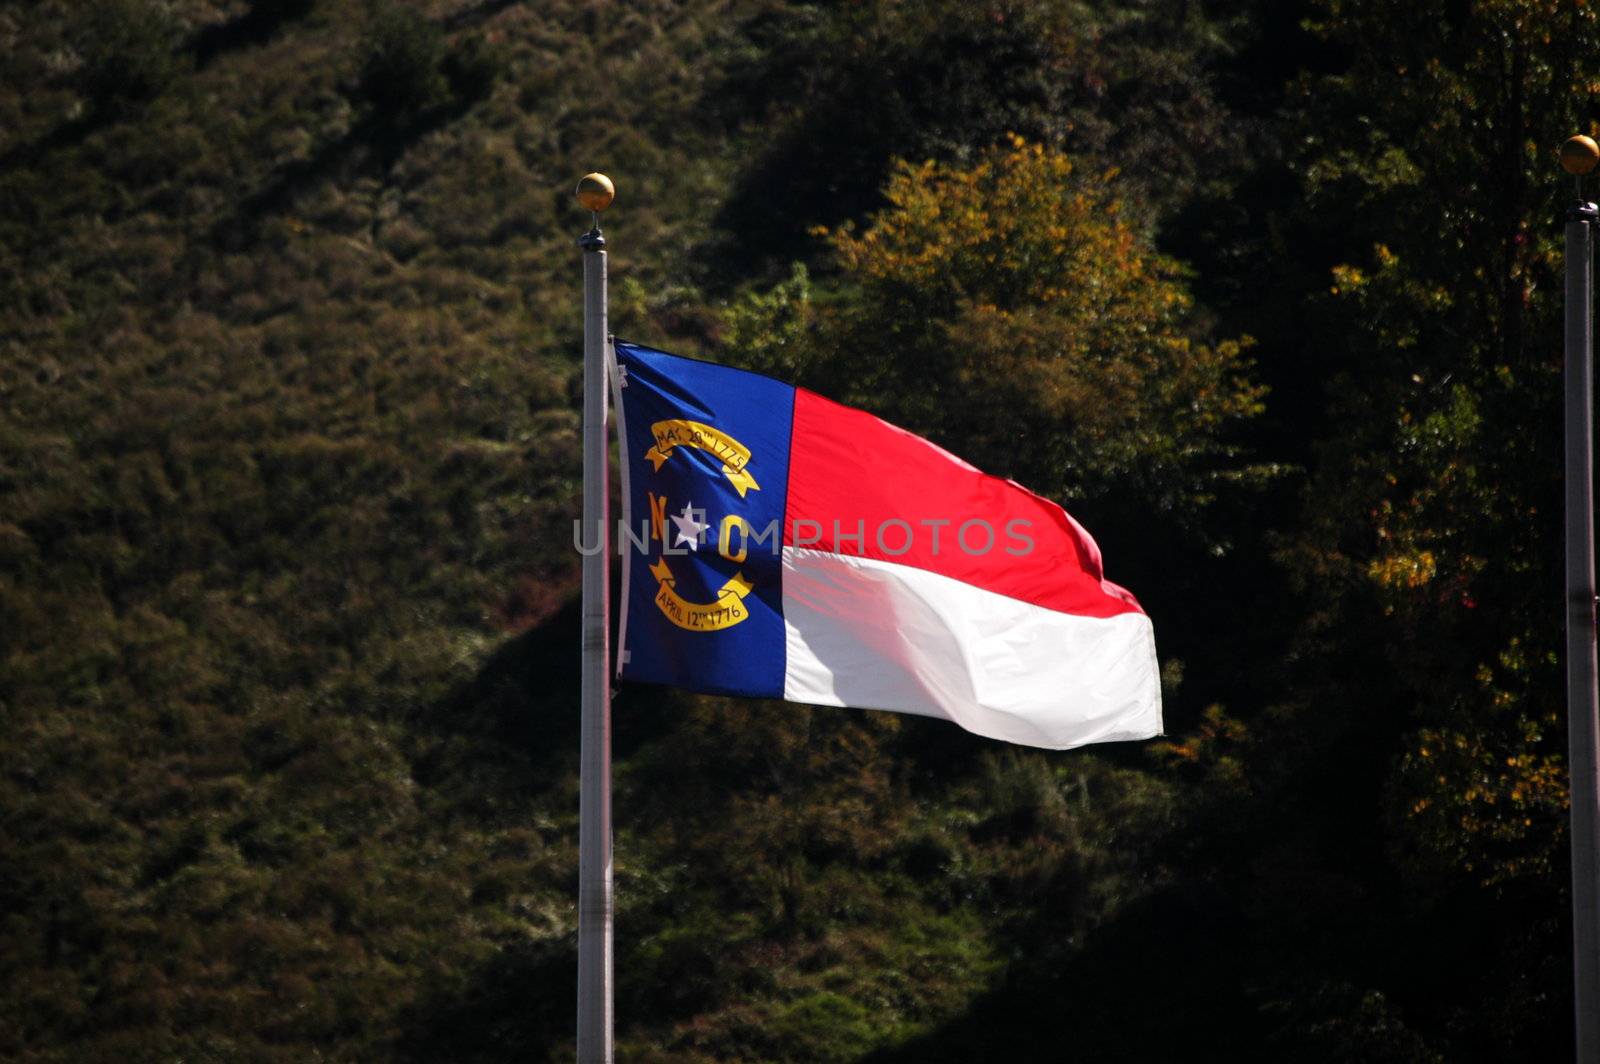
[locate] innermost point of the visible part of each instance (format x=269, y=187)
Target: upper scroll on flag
x=781, y=545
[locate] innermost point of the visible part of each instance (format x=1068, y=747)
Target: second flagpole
x=595, y=903
x=1578, y=157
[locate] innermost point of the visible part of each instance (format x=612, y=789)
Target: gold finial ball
x=1580, y=155
x=595, y=191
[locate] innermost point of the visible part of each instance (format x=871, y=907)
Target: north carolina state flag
x=781, y=545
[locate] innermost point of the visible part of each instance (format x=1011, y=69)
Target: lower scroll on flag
x=781, y=545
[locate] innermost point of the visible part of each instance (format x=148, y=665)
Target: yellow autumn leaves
x=1018, y=286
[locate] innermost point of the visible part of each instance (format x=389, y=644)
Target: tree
x=1425, y=712
x=1007, y=310
x=1453, y=326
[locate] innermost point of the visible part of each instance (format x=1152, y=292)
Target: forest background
x=1266, y=292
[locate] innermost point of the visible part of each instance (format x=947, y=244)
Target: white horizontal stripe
x=877, y=635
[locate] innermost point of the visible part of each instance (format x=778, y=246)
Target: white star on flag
x=690, y=527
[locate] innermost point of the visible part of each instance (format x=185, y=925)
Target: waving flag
x=781, y=545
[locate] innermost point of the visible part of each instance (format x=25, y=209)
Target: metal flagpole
x=1578, y=157
x=595, y=192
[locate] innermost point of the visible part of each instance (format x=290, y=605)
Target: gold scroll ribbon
x=728, y=609
x=678, y=432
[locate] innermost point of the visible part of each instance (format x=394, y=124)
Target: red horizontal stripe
x=916, y=504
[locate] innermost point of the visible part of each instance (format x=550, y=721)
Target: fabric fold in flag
x=782, y=545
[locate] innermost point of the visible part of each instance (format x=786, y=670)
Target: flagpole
x=1578, y=157
x=595, y=909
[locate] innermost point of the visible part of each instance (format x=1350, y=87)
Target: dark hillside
x=289, y=447
x=289, y=454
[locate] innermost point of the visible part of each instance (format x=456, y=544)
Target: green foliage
x=1015, y=284
x=770, y=329
x=289, y=452
x=1127, y=81
x=127, y=48
x=1463, y=495
x=408, y=67
x=472, y=69
x=285, y=458
x=1428, y=550
x=402, y=59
